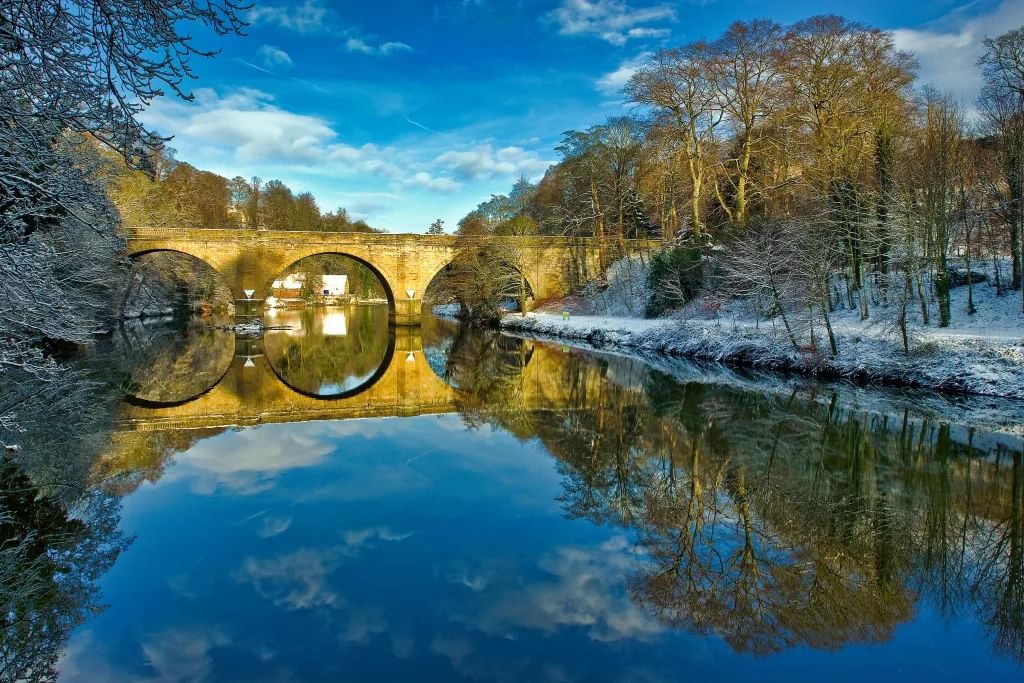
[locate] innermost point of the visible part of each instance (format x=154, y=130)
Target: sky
x=404, y=112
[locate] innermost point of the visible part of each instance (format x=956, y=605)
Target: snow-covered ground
x=981, y=354
x=446, y=310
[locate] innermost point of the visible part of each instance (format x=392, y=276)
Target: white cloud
x=312, y=16
x=245, y=122
x=357, y=539
x=584, y=588
x=428, y=182
x=246, y=132
x=274, y=56
x=361, y=46
x=273, y=526
x=614, y=21
x=183, y=655
x=483, y=161
x=249, y=461
x=613, y=82
x=297, y=580
x=948, y=49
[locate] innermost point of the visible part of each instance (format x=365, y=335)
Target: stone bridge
x=250, y=260
x=251, y=392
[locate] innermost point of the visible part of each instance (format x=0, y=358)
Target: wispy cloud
x=274, y=56
x=614, y=21
x=254, y=66
x=312, y=16
x=417, y=124
x=296, y=580
x=361, y=46
x=948, y=49
x=484, y=161
x=614, y=81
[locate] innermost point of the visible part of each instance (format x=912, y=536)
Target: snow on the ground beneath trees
x=979, y=354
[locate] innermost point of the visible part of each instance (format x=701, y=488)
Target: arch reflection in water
x=164, y=367
x=329, y=351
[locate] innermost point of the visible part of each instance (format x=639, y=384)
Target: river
x=341, y=502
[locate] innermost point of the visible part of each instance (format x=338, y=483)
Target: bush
x=676, y=276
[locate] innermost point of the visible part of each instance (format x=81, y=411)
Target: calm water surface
x=337, y=503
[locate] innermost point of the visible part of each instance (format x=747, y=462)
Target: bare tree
x=747, y=79
x=677, y=84
x=1002, y=103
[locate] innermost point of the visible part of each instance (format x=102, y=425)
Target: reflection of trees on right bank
x=780, y=519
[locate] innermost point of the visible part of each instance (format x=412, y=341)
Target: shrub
x=675, y=277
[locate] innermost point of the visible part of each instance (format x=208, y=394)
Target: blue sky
x=404, y=111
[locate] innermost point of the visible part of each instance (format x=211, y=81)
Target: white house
x=290, y=286
x=335, y=285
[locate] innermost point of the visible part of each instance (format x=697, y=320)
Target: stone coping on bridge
x=382, y=238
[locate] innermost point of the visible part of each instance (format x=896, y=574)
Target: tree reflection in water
x=772, y=515
x=163, y=364
x=772, y=519
x=58, y=529
x=327, y=351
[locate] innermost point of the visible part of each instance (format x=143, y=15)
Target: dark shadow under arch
x=136, y=255
x=531, y=290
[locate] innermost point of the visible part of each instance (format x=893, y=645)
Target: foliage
x=815, y=128
x=171, y=193
x=676, y=275
x=779, y=519
x=72, y=75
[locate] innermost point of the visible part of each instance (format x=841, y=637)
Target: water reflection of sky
x=411, y=549
x=348, y=384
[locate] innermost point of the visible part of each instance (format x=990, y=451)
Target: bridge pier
x=406, y=313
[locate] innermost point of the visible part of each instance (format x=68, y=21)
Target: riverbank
x=954, y=361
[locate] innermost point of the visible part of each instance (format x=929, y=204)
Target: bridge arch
x=439, y=270
x=166, y=368
x=137, y=254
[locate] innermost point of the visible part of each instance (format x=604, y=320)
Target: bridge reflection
x=252, y=391
x=265, y=380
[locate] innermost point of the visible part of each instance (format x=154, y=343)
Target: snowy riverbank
x=958, y=360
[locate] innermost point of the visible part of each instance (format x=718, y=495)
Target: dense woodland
x=167, y=192
x=803, y=166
